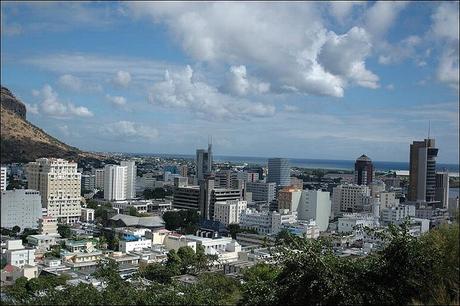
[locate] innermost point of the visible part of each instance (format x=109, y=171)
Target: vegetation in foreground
x=407, y=271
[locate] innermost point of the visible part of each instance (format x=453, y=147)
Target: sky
x=312, y=80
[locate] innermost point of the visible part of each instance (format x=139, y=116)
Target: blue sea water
x=316, y=163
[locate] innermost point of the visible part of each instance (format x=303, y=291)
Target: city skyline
x=156, y=77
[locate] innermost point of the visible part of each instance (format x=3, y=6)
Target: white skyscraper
x=59, y=184
x=115, y=180
x=130, y=178
x=21, y=207
x=315, y=205
x=3, y=179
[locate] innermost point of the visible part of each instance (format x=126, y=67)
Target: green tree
x=132, y=211
x=234, y=229
x=173, y=262
x=64, y=230
x=259, y=285
x=157, y=272
x=187, y=259
x=16, y=229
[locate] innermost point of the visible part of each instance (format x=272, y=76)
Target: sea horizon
x=309, y=163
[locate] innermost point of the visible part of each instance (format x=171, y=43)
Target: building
x=21, y=207
x=229, y=212
x=88, y=182
x=351, y=198
x=442, y=188
x=203, y=162
x=262, y=191
x=397, y=214
x=183, y=170
x=388, y=199
x=266, y=222
x=186, y=197
x=289, y=198
x=279, y=171
x=364, y=170
x=3, y=178
x=47, y=225
x=126, y=246
x=377, y=187
x=180, y=181
x=210, y=195
x=18, y=256
x=307, y=229
x=296, y=182
x=87, y=214
x=99, y=178
x=115, y=180
x=225, y=248
x=131, y=173
x=422, y=171
x=42, y=243
x=59, y=184
x=315, y=205
x=355, y=221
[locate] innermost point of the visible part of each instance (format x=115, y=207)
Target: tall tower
x=279, y=171
x=130, y=178
x=364, y=170
x=115, y=179
x=422, y=171
x=203, y=162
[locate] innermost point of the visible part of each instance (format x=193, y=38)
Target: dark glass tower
x=422, y=171
x=364, y=170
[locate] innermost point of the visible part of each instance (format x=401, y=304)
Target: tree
x=27, y=232
x=132, y=211
x=234, y=229
x=157, y=272
x=187, y=259
x=173, y=262
x=16, y=229
x=64, y=230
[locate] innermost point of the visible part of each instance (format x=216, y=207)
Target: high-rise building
x=3, y=177
x=131, y=171
x=315, y=205
x=59, y=184
x=209, y=195
x=203, y=162
x=279, y=171
x=289, y=198
x=442, y=188
x=262, y=191
x=229, y=212
x=115, y=180
x=21, y=207
x=88, y=182
x=351, y=198
x=183, y=170
x=186, y=197
x=99, y=175
x=422, y=171
x=364, y=170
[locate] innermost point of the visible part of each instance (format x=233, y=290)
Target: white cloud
x=123, y=78
x=52, y=106
x=445, y=30
x=69, y=81
x=342, y=9
x=280, y=42
x=116, y=100
x=32, y=108
x=179, y=90
x=239, y=84
x=406, y=48
x=344, y=56
x=129, y=131
x=381, y=17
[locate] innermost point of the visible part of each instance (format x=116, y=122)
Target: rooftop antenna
x=429, y=128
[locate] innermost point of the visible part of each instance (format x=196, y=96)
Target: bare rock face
x=10, y=102
x=21, y=141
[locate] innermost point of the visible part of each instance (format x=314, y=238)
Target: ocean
x=315, y=163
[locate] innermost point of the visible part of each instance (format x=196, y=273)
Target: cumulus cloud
x=129, y=131
x=445, y=29
x=239, y=84
x=280, y=41
x=342, y=9
x=51, y=105
x=179, y=90
x=406, y=48
x=32, y=108
x=116, y=100
x=381, y=16
x=69, y=81
x=123, y=78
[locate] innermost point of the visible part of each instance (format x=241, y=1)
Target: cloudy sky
x=306, y=80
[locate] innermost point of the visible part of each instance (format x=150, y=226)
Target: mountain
x=21, y=141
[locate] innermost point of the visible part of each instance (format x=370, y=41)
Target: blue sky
x=302, y=80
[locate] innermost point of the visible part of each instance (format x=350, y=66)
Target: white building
x=376, y=187
x=350, y=198
x=289, y=198
x=266, y=222
x=397, y=214
x=229, y=212
x=137, y=245
x=131, y=171
x=87, y=214
x=315, y=205
x=225, y=248
x=59, y=184
x=21, y=207
x=309, y=230
x=47, y=225
x=115, y=180
x=42, y=242
x=3, y=177
x=388, y=199
x=173, y=241
x=351, y=222
x=17, y=255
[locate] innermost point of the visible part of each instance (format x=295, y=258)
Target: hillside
x=21, y=141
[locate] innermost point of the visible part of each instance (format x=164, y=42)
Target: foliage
x=235, y=228
x=186, y=221
x=158, y=273
x=157, y=193
x=27, y=232
x=16, y=229
x=64, y=230
x=132, y=211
